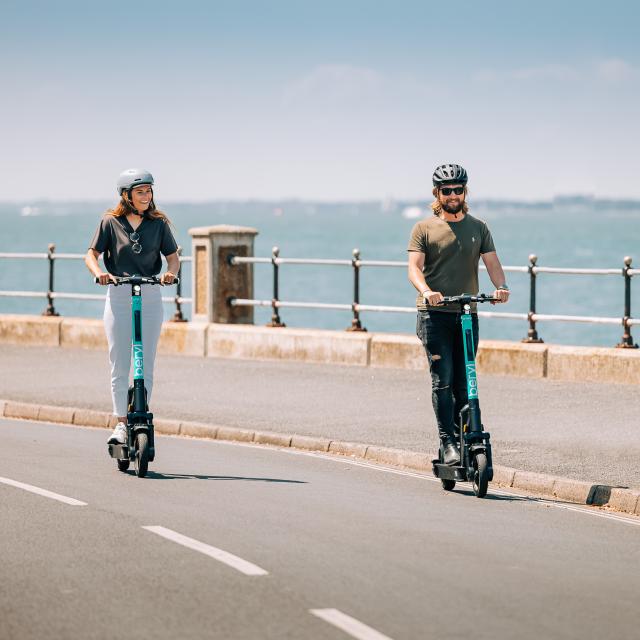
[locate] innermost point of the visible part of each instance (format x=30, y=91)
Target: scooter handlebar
x=137, y=280
x=468, y=298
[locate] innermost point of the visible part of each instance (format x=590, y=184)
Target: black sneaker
x=451, y=455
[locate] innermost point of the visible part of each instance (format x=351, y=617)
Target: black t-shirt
x=112, y=238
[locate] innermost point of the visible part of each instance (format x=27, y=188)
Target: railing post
x=532, y=334
x=178, y=316
x=275, y=315
x=50, y=310
x=627, y=339
x=356, y=325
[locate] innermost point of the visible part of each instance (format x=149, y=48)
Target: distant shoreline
x=388, y=205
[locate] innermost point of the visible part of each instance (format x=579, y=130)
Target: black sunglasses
x=135, y=238
x=447, y=191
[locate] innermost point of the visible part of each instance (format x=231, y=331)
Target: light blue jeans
x=117, y=324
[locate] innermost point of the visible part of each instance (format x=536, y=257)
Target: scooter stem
x=139, y=401
x=475, y=421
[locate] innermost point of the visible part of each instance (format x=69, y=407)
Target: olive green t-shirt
x=452, y=251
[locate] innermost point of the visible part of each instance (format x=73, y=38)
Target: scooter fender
x=475, y=449
x=141, y=428
x=148, y=429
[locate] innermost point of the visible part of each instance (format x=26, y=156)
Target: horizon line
x=316, y=201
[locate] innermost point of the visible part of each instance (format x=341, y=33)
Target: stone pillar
x=214, y=280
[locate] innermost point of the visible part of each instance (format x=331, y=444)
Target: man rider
x=444, y=252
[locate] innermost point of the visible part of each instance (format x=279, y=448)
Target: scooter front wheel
x=123, y=465
x=480, y=475
x=448, y=485
x=142, y=455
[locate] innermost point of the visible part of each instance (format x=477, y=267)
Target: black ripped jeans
x=441, y=335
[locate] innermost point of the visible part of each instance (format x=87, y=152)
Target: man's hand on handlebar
x=432, y=298
x=502, y=296
x=167, y=278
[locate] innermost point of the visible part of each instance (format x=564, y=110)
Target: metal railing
x=626, y=321
x=356, y=264
x=51, y=294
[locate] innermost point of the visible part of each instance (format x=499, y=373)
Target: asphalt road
x=583, y=431
x=388, y=552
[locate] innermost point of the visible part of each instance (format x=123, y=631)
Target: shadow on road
x=503, y=497
x=154, y=475
x=491, y=496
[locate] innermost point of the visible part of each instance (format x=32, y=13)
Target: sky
x=331, y=100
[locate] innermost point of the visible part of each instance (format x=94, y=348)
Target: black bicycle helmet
x=449, y=174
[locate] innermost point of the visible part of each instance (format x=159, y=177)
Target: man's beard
x=453, y=208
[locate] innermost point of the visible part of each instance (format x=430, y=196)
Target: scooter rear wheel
x=448, y=485
x=142, y=455
x=123, y=465
x=480, y=475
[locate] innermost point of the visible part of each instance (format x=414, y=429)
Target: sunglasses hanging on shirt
x=135, y=238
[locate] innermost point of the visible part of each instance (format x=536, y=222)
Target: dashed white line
x=248, y=568
x=353, y=627
x=43, y=492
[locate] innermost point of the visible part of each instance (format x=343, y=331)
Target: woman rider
x=132, y=237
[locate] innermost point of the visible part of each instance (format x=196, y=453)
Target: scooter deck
x=449, y=471
x=119, y=451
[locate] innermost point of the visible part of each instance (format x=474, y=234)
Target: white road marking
x=225, y=557
x=353, y=627
x=585, y=509
x=43, y=492
x=592, y=511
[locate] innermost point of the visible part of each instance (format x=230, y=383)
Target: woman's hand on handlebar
x=167, y=278
x=105, y=278
x=432, y=298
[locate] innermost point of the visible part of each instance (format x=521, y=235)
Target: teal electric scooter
x=476, y=464
x=140, y=445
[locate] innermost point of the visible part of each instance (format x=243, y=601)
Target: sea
x=579, y=232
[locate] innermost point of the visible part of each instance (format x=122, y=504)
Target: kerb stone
x=90, y=418
x=50, y=413
x=352, y=449
x=310, y=443
x=22, y=410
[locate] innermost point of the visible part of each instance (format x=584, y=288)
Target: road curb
x=560, y=488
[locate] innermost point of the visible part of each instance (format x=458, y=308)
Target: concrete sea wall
x=246, y=341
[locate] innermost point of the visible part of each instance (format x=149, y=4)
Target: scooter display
x=140, y=444
x=476, y=463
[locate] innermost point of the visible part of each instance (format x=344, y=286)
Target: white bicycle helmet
x=132, y=178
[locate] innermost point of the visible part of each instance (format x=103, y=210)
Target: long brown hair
x=124, y=207
x=436, y=207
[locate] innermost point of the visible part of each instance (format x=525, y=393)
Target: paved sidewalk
x=577, y=430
